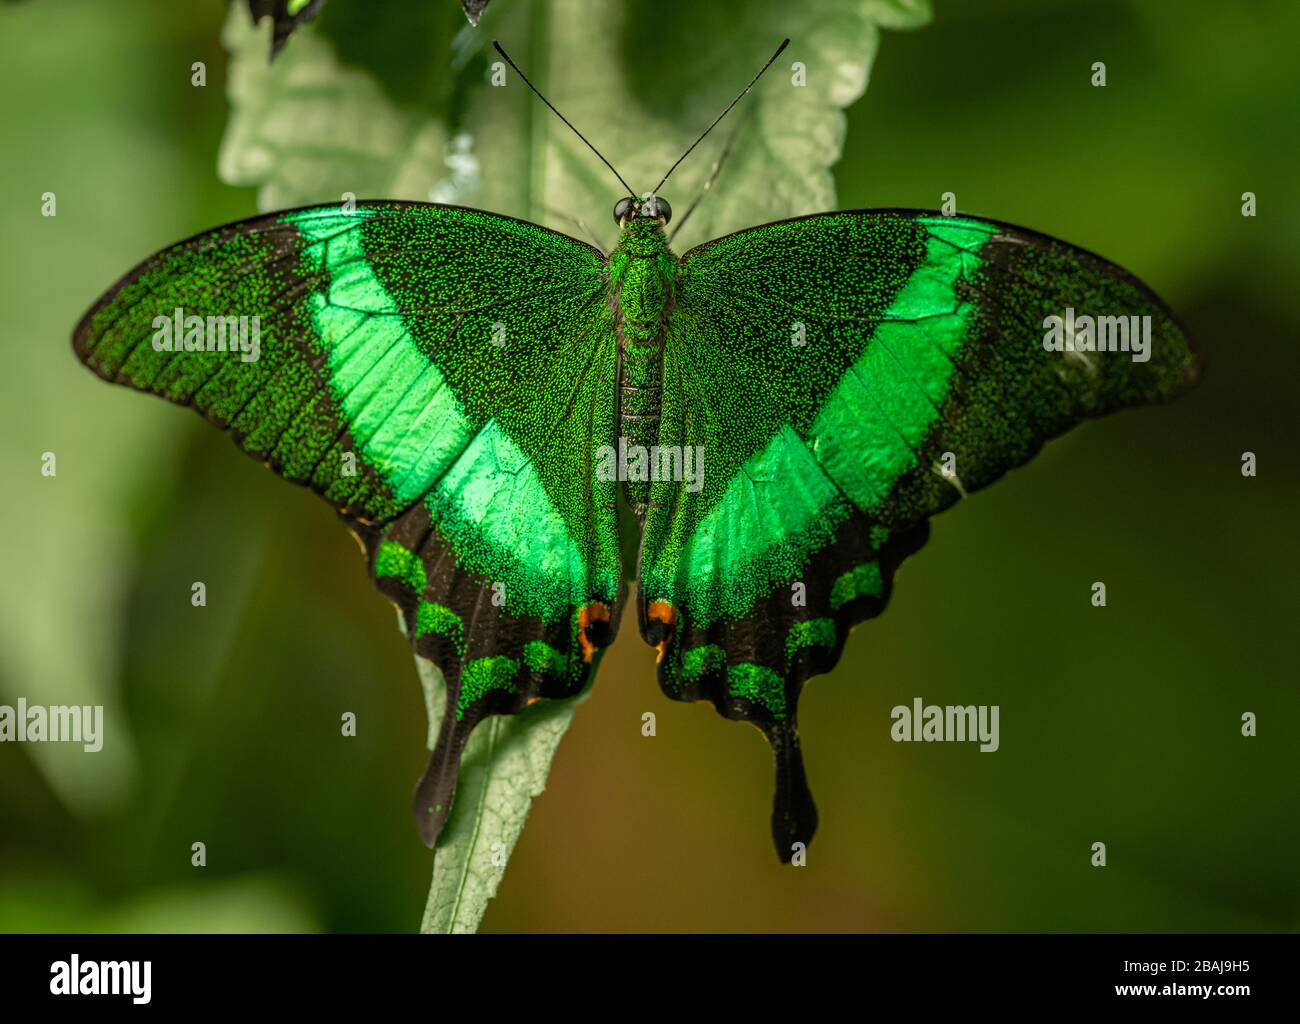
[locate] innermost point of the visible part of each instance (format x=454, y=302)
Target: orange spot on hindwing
x=664, y=613
x=590, y=615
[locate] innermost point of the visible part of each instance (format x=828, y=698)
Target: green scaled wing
x=847, y=376
x=441, y=375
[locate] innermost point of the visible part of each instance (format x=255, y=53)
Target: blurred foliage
x=1119, y=724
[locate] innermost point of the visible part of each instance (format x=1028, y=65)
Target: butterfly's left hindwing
x=444, y=378
x=846, y=377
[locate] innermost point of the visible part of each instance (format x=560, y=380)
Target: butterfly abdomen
x=639, y=391
x=641, y=274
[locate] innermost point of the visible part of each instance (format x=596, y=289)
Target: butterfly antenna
x=710, y=128
x=505, y=56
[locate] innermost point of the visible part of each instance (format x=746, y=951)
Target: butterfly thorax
x=641, y=272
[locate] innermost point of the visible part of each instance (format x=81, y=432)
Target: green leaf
x=601, y=67
x=506, y=762
x=307, y=129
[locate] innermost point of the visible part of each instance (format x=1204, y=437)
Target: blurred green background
x=1119, y=725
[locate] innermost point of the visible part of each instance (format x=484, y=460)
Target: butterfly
x=515, y=423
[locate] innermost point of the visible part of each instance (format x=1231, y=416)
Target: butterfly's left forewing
x=442, y=376
x=845, y=377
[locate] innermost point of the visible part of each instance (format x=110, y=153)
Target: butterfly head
x=645, y=207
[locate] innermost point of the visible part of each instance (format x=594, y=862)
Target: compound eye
x=657, y=207
x=623, y=209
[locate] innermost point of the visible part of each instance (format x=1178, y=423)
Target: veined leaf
x=505, y=765
x=588, y=57
x=306, y=129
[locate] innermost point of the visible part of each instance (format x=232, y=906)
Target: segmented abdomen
x=640, y=388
